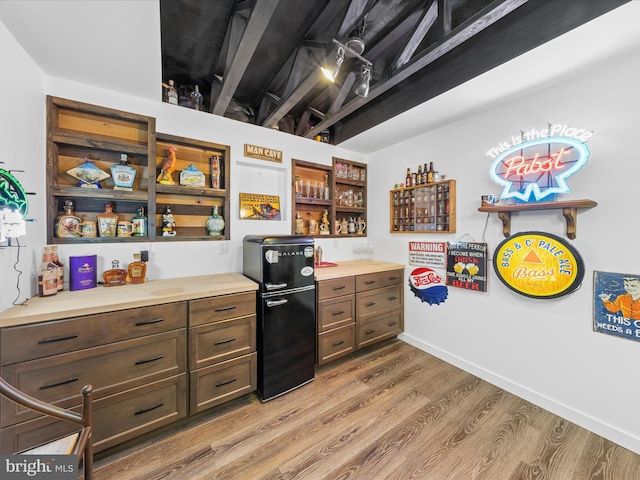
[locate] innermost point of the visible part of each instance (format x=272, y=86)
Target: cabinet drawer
x=109, y=368
x=28, y=342
x=378, y=300
x=370, y=281
x=335, y=287
x=336, y=343
x=335, y=312
x=214, y=309
x=116, y=418
x=219, y=341
x=211, y=386
x=380, y=327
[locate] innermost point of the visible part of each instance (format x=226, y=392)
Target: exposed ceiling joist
x=481, y=21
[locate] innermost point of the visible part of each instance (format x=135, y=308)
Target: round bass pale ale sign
x=538, y=265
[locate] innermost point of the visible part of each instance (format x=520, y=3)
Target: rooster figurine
x=167, y=168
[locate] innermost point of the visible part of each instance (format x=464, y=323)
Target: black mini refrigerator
x=286, y=306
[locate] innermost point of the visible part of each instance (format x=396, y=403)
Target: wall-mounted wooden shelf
x=569, y=210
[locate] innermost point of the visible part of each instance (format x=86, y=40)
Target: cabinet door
x=379, y=327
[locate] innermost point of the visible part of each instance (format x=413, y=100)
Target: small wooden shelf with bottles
x=427, y=208
x=312, y=193
x=350, y=187
x=77, y=131
x=191, y=206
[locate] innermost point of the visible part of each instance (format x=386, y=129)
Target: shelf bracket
x=506, y=222
x=571, y=214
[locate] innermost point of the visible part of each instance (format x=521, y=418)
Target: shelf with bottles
x=312, y=196
x=87, y=148
x=426, y=208
x=205, y=187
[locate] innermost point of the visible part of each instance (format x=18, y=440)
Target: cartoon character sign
x=616, y=304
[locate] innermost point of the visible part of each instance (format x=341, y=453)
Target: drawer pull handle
x=149, y=322
x=148, y=360
x=56, y=339
x=339, y=312
x=342, y=287
x=392, y=298
x=64, y=382
x=225, y=341
x=145, y=410
x=393, y=279
x=338, y=343
x=222, y=309
x=370, y=304
x=221, y=384
x=370, y=282
x=369, y=332
x=391, y=324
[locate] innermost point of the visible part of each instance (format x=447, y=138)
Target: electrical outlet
x=223, y=248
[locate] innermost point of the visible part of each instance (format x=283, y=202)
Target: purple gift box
x=82, y=272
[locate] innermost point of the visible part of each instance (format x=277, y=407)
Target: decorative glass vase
x=215, y=223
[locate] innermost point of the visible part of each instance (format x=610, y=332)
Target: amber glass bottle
x=137, y=270
x=114, y=276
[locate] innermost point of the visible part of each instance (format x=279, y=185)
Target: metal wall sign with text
x=467, y=265
x=538, y=265
x=428, y=282
x=616, y=304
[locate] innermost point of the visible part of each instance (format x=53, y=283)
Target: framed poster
x=256, y=206
x=467, y=265
x=616, y=304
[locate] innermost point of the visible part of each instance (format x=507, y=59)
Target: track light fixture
x=331, y=69
x=361, y=87
x=353, y=48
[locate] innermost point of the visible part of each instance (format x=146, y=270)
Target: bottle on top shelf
x=172, y=94
x=419, y=175
x=430, y=173
x=197, y=102
x=408, y=179
x=424, y=175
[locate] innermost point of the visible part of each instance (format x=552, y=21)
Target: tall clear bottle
x=48, y=275
x=197, y=102
x=172, y=93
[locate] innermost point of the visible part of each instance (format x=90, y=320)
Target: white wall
x=22, y=147
x=542, y=350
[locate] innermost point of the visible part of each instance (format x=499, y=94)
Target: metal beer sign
x=538, y=265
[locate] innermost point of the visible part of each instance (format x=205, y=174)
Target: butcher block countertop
x=354, y=267
x=108, y=299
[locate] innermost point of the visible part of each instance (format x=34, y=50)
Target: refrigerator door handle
x=276, y=303
x=276, y=286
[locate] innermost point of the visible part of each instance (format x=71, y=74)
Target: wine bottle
x=419, y=176
x=430, y=173
x=408, y=179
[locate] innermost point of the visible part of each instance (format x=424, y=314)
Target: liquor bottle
x=123, y=174
x=419, y=176
x=216, y=172
x=68, y=225
x=137, y=270
x=408, y=179
x=414, y=179
x=197, y=100
x=56, y=260
x=298, y=194
x=48, y=275
x=172, y=94
x=215, y=223
x=107, y=221
x=139, y=223
x=115, y=276
x=425, y=175
x=430, y=173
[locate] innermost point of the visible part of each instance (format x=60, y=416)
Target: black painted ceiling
x=258, y=61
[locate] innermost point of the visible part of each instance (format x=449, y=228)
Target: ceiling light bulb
x=361, y=88
x=333, y=67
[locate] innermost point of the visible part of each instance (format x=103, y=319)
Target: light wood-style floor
x=391, y=412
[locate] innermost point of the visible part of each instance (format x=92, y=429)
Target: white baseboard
x=596, y=426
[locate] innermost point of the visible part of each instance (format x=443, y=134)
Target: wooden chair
x=79, y=443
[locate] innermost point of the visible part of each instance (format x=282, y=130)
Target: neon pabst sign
x=538, y=162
